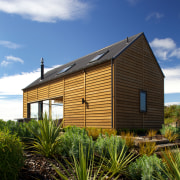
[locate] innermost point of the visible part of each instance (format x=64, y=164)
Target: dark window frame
x=143, y=101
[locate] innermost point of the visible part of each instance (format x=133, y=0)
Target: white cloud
x=166, y=43
x=9, y=44
x=165, y=48
x=46, y=10
x=9, y=59
x=155, y=15
x=11, y=109
x=175, y=53
x=172, y=103
x=172, y=80
x=15, y=59
x=13, y=85
x=5, y=63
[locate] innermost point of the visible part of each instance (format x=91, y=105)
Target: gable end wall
x=134, y=70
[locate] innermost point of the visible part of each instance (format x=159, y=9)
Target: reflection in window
x=57, y=110
x=34, y=110
x=53, y=108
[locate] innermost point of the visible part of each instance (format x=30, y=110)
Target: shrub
x=95, y=132
x=82, y=168
x=117, y=164
x=172, y=164
x=170, y=135
x=145, y=168
x=47, y=139
x=102, y=144
x=151, y=133
x=20, y=129
x=71, y=139
x=11, y=156
x=2, y=125
x=147, y=148
x=166, y=128
x=129, y=138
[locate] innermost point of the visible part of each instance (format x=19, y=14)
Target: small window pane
x=99, y=56
x=66, y=69
x=143, y=101
x=34, y=110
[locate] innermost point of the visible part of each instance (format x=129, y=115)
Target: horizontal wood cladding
x=136, y=69
x=73, y=107
x=25, y=100
x=98, y=96
x=43, y=92
x=56, y=88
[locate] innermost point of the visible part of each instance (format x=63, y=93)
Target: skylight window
x=66, y=69
x=99, y=56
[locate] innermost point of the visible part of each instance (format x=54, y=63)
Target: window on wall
x=53, y=108
x=143, y=101
x=34, y=110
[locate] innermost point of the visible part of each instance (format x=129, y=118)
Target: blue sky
x=64, y=30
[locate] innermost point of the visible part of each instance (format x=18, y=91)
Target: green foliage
x=47, y=138
x=2, y=125
x=145, y=168
x=117, y=164
x=20, y=129
x=172, y=164
x=11, y=156
x=82, y=168
x=166, y=128
x=103, y=143
x=71, y=139
x=172, y=112
x=169, y=132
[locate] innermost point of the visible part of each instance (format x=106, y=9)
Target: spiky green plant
x=47, y=139
x=118, y=163
x=82, y=168
x=171, y=160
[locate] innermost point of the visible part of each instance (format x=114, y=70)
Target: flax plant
x=147, y=148
x=47, y=140
x=129, y=138
x=171, y=168
x=117, y=164
x=82, y=168
x=151, y=133
x=170, y=135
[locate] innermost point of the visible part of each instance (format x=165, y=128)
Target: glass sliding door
x=52, y=107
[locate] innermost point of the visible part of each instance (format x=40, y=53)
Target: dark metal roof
x=110, y=52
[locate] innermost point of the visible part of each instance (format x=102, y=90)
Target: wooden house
x=119, y=86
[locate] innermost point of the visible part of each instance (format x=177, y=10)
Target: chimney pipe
x=127, y=39
x=42, y=68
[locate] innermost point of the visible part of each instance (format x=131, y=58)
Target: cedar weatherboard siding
x=111, y=91
x=137, y=69
x=93, y=84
